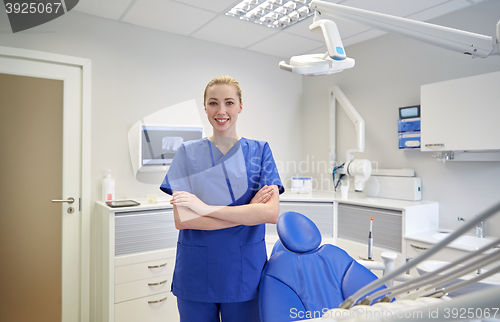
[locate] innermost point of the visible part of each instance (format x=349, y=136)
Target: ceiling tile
x=348, y=28
x=218, y=6
x=110, y=9
x=369, y=34
x=168, y=16
x=302, y=29
x=205, y=20
x=233, y=32
x=285, y=45
x=400, y=8
x=437, y=11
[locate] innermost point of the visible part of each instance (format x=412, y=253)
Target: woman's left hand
x=263, y=195
x=186, y=199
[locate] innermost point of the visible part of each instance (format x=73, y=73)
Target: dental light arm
x=464, y=42
x=360, y=169
x=355, y=118
x=332, y=38
x=333, y=61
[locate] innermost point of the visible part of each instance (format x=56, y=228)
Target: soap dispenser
x=108, y=187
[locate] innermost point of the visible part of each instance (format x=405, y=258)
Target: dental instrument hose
x=452, y=275
x=458, y=286
x=394, y=291
x=349, y=302
x=335, y=185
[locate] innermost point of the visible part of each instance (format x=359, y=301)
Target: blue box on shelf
x=409, y=140
x=409, y=125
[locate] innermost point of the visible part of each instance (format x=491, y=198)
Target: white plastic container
x=108, y=187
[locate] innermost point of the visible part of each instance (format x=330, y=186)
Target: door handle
x=69, y=200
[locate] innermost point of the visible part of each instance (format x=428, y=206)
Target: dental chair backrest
x=302, y=280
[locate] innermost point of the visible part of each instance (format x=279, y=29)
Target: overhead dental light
x=460, y=41
x=278, y=14
x=333, y=61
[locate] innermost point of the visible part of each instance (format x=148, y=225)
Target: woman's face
x=222, y=107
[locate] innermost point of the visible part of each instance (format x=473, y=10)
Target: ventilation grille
x=320, y=213
x=143, y=231
x=354, y=224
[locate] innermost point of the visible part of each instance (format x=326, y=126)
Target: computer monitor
x=159, y=143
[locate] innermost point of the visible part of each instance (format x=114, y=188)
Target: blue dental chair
x=302, y=280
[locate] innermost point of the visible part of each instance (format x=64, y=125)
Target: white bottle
x=108, y=187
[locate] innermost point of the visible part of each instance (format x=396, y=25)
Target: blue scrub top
x=221, y=266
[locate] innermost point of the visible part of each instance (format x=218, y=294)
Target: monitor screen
x=160, y=142
x=409, y=112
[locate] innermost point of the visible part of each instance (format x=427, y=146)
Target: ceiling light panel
x=277, y=14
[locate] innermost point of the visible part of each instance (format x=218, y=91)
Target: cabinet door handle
x=159, y=283
x=158, y=301
x=435, y=145
x=157, y=266
x=419, y=247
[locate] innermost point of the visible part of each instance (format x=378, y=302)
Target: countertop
x=467, y=242
x=355, y=198
x=162, y=203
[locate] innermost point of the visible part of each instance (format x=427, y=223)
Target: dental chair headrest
x=298, y=233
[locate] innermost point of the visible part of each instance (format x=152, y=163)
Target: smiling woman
x=222, y=107
x=222, y=197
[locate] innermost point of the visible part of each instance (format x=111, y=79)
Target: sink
x=465, y=242
x=429, y=266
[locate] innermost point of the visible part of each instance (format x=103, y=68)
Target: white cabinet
x=393, y=219
x=345, y=222
x=461, y=114
x=135, y=258
x=415, y=248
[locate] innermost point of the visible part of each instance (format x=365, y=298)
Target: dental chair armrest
x=355, y=278
x=278, y=303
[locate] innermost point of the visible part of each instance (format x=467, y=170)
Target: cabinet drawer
x=161, y=307
x=354, y=224
x=145, y=270
x=416, y=248
x=142, y=288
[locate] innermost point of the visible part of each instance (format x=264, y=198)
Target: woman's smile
x=221, y=121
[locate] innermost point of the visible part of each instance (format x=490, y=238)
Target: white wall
x=388, y=74
x=137, y=71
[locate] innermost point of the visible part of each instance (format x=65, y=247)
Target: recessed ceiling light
x=272, y=13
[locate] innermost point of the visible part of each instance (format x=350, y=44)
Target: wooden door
x=39, y=161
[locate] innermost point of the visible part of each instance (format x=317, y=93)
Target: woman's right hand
x=263, y=195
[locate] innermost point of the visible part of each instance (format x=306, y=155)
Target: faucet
x=479, y=228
